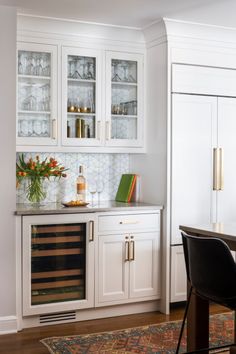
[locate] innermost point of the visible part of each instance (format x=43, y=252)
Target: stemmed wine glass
x=100, y=187
x=92, y=187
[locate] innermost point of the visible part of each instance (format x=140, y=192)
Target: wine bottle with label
x=81, y=186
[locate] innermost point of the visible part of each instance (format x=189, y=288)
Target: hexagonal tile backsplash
x=107, y=168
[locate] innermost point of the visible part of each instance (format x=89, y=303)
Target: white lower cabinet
x=178, y=275
x=74, y=262
x=128, y=262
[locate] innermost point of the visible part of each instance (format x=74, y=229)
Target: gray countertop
x=106, y=206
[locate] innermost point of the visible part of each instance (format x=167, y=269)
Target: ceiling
x=132, y=13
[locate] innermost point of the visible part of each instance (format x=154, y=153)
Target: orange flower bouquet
x=36, y=172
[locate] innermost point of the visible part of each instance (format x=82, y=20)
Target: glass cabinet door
x=124, y=99
x=57, y=263
x=36, y=106
x=80, y=95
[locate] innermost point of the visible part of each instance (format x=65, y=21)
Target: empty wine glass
x=92, y=187
x=100, y=187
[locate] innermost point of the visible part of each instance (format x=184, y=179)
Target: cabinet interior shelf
x=34, y=112
x=73, y=114
x=124, y=116
x=124, y=83
x=81, y=80
x=34, y=77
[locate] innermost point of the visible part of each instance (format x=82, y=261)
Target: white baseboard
x=8, y=324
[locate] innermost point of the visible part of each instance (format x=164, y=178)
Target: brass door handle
x=126, y=251
x=218, y=173
x=221, y=170
x=131, y=250
x=91, y=231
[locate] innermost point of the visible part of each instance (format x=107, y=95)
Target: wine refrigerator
x=58, y=263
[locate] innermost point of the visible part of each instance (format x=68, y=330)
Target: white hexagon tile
x=105, y=168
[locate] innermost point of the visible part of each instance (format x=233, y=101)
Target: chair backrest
x=210, y=268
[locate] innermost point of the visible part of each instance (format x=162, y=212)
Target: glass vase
x=35, y=191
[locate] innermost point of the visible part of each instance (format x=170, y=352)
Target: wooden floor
x=27, y=341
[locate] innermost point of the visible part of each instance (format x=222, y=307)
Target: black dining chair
x=211, y=273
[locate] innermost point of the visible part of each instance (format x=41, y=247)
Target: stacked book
x=129, y=188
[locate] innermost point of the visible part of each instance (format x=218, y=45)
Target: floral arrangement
x=36, y=171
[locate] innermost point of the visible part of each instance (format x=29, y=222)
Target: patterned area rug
x=161, y=338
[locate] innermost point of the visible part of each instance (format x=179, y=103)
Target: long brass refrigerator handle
x=216, y=169
x=221, y=170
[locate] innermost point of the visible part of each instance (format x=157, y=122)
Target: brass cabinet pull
x=131, y=250
x=129, y=222
x=218, y=178
x=126, y=251
x=91, y=231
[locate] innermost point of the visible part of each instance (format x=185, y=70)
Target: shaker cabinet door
x=113, y=274
x=145, y=266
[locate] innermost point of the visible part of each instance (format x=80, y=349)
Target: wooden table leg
x=198, y=324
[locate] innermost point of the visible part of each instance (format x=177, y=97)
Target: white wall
x=7, y=163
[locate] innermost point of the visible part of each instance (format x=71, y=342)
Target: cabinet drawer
x=129, y=222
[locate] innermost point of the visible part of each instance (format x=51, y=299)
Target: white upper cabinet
x=36, y=94
x=124, y=99
x=81, y=97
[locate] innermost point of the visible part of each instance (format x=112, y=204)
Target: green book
x=125, y=187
